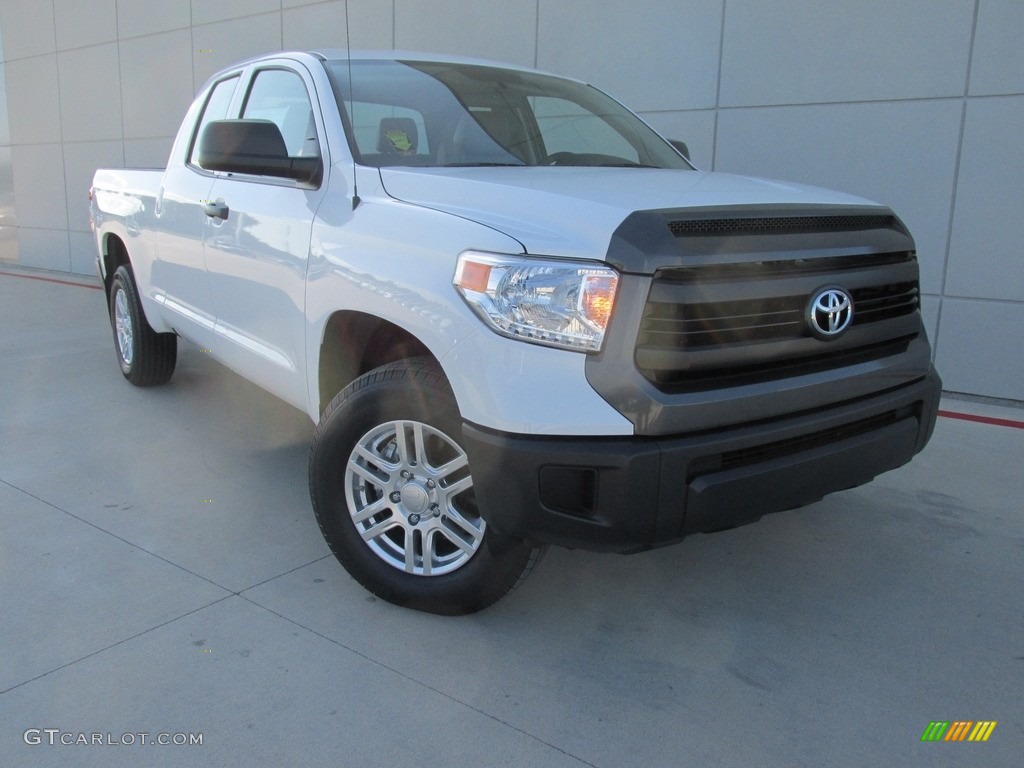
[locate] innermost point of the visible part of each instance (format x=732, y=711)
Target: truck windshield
x=414, y=113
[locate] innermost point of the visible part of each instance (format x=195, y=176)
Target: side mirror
x=254, y=147
x=681, y=147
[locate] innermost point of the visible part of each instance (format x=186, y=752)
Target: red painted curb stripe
x=53, y=280
x=983, y=419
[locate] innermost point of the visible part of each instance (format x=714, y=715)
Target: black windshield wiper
x=484, y=165
x=625, y=164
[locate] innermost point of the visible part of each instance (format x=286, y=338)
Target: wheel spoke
x=429, y=537
x=468, y=547
x=402, y=444
x=459, y=486
x=453, y=466
x=380, y=528
x=410, y=552
x=476, y=533
x=419, y=446
x=123, y=326
x=369, y=511
x=365, y=473
x=386, y=467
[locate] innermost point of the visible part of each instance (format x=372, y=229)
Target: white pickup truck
x=518, y=316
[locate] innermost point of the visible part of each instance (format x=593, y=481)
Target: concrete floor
x=161, y=572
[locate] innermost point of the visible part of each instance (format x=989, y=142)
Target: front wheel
x=393, y=493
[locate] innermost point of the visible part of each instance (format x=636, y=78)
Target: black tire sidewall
x=123, y=280
x=392, y=393
x=154, y=355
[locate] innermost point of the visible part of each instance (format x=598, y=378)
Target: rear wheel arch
x=115, y=255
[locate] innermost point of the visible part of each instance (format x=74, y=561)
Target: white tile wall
x=665, y=57
x=314, y=26
x=44, y=248
x=373, y=25
x=38, y=171
x=5, y=123
x=505, y=31
x=867, y=97
x=998, y=64
x=323, y=25
x=975, y=353
x=151, y=111
x=8, y=216
x=9, y=247
x=82, y=253
x=79, y=23
x=86, y=114
x=27, y=28
x=33, y=99
x=805, y=51
x=136, y=18
x=986, y=257
x=206, y=11
x=220, y=45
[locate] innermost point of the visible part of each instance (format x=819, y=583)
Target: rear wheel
x=393, y=493
x=147, y=358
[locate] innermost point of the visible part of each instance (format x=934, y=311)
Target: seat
x=397, y=136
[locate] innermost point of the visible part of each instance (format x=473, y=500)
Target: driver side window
x=280, y=96
x=216, y=109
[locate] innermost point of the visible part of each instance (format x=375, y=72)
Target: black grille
x=778, y=225
x=693, y=325
x=872, y=305
x=718, y=325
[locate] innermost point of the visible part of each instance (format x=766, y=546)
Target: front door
x=256, y=257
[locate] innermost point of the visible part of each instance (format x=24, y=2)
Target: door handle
x=217, y=210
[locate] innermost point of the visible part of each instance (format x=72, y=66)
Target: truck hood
x=572, y=211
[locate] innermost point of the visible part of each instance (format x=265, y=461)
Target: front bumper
x=630, y=494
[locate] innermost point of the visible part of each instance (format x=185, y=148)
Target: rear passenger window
x=280, y=96
x=216, y=109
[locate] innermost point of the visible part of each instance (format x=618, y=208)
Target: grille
x=722, y=325
x=778, y=225
x=694, y=325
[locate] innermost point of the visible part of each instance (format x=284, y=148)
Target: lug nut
x=406, y=474
x=414, y=519
x=396, y=496
x=431, y=484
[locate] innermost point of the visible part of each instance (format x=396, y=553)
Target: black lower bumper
x=629, y=494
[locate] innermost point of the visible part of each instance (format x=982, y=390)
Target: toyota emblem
x=829, y=313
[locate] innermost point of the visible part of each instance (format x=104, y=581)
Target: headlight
x=559, y=303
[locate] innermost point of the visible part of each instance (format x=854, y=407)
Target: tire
x=147, y=358
x=392, y=491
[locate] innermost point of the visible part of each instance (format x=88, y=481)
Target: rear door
x=257, y=256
